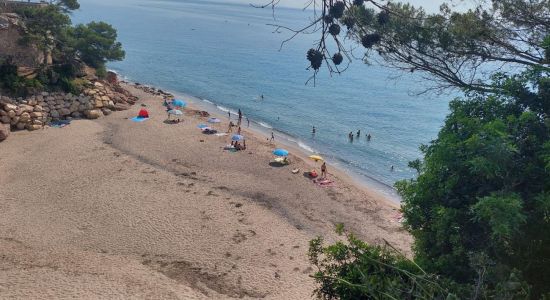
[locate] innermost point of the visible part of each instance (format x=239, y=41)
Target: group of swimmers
x=350, y=136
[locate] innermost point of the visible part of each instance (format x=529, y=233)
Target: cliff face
x=11, y=29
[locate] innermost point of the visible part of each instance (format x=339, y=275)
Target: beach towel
x=60, y=123
x=324, y=182
x=221, y=134
x=139, y=119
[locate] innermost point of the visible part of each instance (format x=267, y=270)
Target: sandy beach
x=110, y=209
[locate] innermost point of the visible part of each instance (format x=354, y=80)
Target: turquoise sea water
x=226, y=54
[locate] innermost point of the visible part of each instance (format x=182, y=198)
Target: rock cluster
x=34, y=112
x=153, y=91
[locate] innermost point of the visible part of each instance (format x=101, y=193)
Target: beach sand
x=111, y=208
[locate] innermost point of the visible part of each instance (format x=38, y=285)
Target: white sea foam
x=265, y=125
x=306, y=147
x=222, y=108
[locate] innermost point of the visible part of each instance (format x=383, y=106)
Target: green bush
x=14, y=84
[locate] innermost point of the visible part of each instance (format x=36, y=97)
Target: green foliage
x=101, y=72
x=49, y=28
x=43, y=26
x=96, y=43
x=483, y=188
x=356, y=270
x=14, y=84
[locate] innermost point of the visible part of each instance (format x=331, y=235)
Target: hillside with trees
x=65, y=51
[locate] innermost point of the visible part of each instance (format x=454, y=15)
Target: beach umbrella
x=175, y=112
x=237, y=137
x=280, y=152
x=214, y=120
x=201, y=126
x=178, y=103
x=316, y=158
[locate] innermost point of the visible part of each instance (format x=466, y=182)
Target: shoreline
x=259, y=129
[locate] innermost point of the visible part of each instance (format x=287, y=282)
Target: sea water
x=229, y=55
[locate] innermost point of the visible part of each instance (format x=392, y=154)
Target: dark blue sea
x=227, y=54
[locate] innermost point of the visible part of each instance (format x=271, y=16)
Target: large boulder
x=93, y=113
x=121, y=106
x=4, y=131
x=32, y=127
x=25, y=117
x=5, y=119
x=9, y=107
x=64, y=112
x=20, y=125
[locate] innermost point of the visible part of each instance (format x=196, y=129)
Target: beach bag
x=143, y=113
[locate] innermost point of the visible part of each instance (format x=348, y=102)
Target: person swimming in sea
x=358, y=133
x=350, y=136
x=313, y=131
x=368, y=137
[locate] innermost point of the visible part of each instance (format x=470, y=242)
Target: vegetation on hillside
x=479, y=209
x=70, y=47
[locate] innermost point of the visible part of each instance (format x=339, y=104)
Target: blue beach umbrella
x=237, y=137
x=214, y=120
x=201, y=126
x=175, y=112
x=178, y=103
x=280, y=152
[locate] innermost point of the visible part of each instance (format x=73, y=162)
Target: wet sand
x=110, y=208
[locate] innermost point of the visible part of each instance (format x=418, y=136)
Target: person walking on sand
x=239, y=130
x=230, y=128
x=247, y=122
x=229, y=114
x=272, y=137
x=324, y=170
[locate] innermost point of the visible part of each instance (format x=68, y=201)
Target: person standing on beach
x=229, y=115
x=240, y=116
x=324, y=170
x=272, y=137
x=239, y=130
x=247, y=122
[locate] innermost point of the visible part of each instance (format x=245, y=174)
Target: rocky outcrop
x=35, y=112
x=24, y=56
x=4, y=131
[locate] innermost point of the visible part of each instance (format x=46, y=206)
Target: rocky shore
x=98, y=98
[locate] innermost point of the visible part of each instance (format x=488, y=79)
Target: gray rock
x=93, y=113
x=4, y=132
